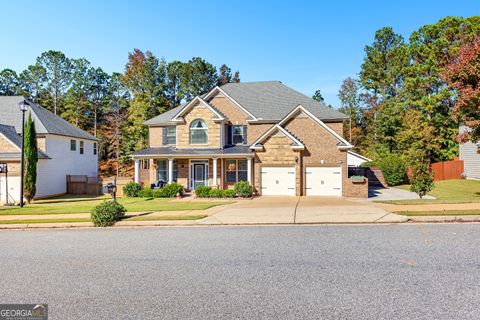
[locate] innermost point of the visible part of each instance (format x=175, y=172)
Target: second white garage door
x=278, y=181
x=323, y=181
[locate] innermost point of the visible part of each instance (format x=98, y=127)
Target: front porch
x=218, y=168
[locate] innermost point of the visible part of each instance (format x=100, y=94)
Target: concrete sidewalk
x=266, y=210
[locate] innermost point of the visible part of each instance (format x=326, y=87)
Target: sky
x=308, y=45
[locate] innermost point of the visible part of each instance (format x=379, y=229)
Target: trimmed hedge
x=168, y=191
x=145, y=193
x=131, y=189
x=243, y=189
x=209, y=192
x=202, y=191
x=229, y=193
x=107, y=213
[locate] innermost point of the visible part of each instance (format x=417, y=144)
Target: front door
x=199, y=178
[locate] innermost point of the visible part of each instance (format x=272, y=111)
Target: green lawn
x=84, y=204
x=440, y=213
x=447, y=191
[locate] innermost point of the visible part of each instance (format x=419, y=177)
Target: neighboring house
x=281, y=141
x=355, y=160
x=468, y=152
x=63, y=149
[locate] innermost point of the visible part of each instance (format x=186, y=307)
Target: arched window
x=198, y=132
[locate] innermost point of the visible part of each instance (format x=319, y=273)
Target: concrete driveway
x=384, y=194
x=281, y=210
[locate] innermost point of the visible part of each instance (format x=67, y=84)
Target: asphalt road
x=261, y=272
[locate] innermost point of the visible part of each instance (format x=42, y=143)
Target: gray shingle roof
x=12, y=135
x=45, y=121
x=272, y=100
x=165, y=117
x=267, y=100
x=172, y=151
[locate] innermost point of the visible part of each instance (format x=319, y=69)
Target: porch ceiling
x=169, y=151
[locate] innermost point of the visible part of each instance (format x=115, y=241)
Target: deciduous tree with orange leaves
x=463, y=75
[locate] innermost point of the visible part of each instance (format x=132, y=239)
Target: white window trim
x=203, y=102
x=236, y=169
x=176, y=136
x=243, y=135
x=190, y=133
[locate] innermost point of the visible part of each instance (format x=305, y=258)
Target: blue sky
x=308, y=45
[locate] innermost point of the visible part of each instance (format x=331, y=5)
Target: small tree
x=422, y=178
x=31, y=159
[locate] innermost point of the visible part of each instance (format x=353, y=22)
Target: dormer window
x=198, y=132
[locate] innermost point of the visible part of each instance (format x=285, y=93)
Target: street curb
x=187, y=223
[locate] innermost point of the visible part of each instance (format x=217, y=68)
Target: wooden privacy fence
x=77, y=184
x=448, y=170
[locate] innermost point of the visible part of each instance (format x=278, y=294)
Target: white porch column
x=170, y=170
x=249, y=170
x=214, y=160
x=137, y=171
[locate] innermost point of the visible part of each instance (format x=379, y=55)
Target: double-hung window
x=162, y=170
x=95, y=148
x=171, y=135
x=239, y=135
x=81, y=147
x=198, y=132
x=73, y=145
x=236, y=170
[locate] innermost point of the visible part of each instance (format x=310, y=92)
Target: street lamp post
x=23, y=107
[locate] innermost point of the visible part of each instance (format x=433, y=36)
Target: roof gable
x=9, y=134
x=303, y=112
x=218, y=116
x=274, y=130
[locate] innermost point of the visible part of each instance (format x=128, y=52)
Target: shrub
x=107, y=213
x=422, y=178
x=145, y=193
x=202, y=191
x=131, y=189
x=168, y=191
x=229, y=193
x=394, y=169
x=243, y=189
x=215, y=193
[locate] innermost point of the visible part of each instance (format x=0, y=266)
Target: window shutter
x=229, y=135
x=164, y=135
x=245, y=139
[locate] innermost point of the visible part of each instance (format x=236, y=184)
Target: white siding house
x=471, y=159
x=63, y=150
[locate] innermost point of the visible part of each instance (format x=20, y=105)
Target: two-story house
x=63, y=150
x=281, y=141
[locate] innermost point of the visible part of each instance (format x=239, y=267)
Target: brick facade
x=320, y=147
x=155, y=136
x=199, y=111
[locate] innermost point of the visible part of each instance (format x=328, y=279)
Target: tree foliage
x=408, y=89
x=462, y=74
x=31, y=159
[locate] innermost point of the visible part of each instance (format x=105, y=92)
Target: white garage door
x=278, y=181
x=323, y=181
x=13, y=189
